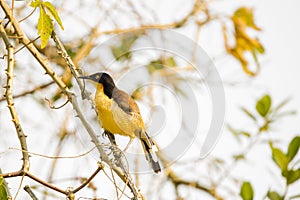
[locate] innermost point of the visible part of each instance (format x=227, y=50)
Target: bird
x=119, y=114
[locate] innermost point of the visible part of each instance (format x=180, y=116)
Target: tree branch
x=177, y=181
x=10, y=101
x=178, y=24
x=100, y=167
x=32, y=49
x=24, y=39
x=39, y=87
x=125, y=177
x=29, y=191
x=51, y=186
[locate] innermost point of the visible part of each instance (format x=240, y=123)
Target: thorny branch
x=10, y=101
x=28, y=44
x=123, y=175
x=24, y=39
x=32, y=49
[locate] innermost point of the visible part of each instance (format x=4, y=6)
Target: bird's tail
x=150, y=150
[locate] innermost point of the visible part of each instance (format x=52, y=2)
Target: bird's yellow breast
x=113, y=118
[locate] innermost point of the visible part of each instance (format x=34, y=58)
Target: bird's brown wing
x=134, y=124
x=125, y=102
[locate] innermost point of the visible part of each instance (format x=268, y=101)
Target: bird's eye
x=97, y=77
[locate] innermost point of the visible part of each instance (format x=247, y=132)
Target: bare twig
x=58, y=157
x=100, y=167
x=113, y=181
x=63, y=135
x=29, y=191
x=50, y=103
x=178, y=24
x=10, y=101
x=33, y=177
x=51, y=186
x=124, y=176
x=177, y=181
x=40, y=87
x=24, y=39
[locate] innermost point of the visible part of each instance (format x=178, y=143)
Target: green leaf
x=263, y=105
x=170, y=62
x=3, y=192
x=247, y=192
x=45, y=27
x=122, y=51
x=272, y=195
x=54, y=13
x=293, y=148
x=155, y=65
x=36, y=3
x=292, y=176
x=248, y=113
x=239, y=157
x=280, y=159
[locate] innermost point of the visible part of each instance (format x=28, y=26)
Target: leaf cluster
x=268, y=114
x=45, y=24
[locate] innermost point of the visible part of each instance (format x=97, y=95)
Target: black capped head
x=102, y=78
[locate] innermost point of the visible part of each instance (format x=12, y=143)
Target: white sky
x=280, y=78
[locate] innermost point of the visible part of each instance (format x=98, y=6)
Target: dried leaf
x=245, y=14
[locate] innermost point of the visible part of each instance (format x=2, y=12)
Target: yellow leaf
x=54, y=13
x=36, y=3
x=45, y=27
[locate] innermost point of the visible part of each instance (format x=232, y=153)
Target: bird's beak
x=93, y=77
x=84, y=77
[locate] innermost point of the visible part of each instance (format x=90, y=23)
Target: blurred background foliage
x=82, y=25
